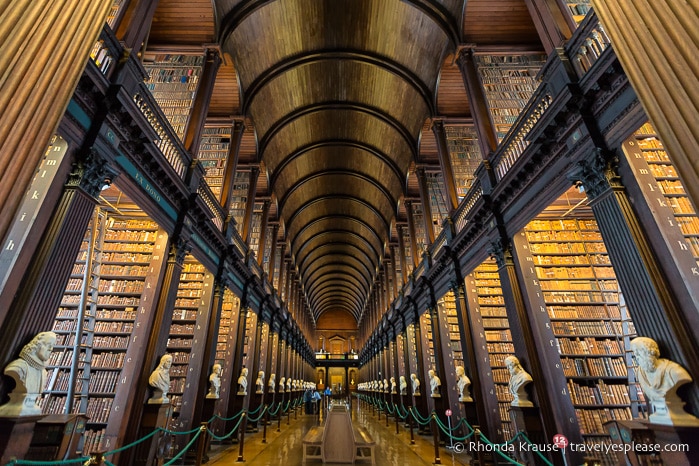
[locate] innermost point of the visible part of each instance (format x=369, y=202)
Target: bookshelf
x=508, y=81
x=255, y=226
x=447, y=305
x=249, y=347
x=239, y=195
x=213, y=154
x=583, y=301
x=420, y=233
x=438, y=198
x=407, y=252
x=114, y=11
x=485, y=280
x=122, y=260
x=173, y=81
x=578, y=9
x=191, y=307
x=656, y=161
x=225, y=349
x=427, y=346
x=465, y=155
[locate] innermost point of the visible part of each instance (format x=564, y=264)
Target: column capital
x=498, y=251
x=91, y=173
x=596, y=173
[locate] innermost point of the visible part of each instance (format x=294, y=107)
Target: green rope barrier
x=254, y=411
x=216, y=416
x=73, y=461
x=497, y=448
x=134, y=443
x=234, y=430
x=398, y=410
x=187, y=447
x=274, y=412
x=258, y=417
x=388, y=408
x=417, y=418
x=449, y=434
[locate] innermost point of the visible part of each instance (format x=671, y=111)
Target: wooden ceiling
x=339, y=96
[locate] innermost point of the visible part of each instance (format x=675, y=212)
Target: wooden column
x=200, y=106
x=426, y=205
x=263, y=232
x=403, y=262
x=232, y=165
x=45, y=45
x=534, y=341
x=440, y=136
x=33, y=308
x=411, y=233
x=250, y=204
x=487, y=136
x=657, y=45
x=651, y=302
x=157, y=344
x=135, y=24
x=552, y=24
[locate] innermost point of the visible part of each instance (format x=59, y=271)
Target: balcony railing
x=212, y=204
x=588, y=44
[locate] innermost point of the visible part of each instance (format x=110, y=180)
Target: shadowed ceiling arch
x=338, y=91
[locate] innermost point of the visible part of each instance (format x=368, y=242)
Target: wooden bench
x=364, y=445
x=312, y=444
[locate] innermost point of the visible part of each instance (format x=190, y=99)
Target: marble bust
x=288, y=384
x=282, y=383
x=159, y=380
x=462, y=383
x=403, y=385
x=385, y=385
x=243, y=382
x=393, y=385
x=29, y=375
x=214, y=382
x=260, y=382
x=660, y=379
x=435, y=383
x=416, y=384
x=519, y=379
x=271, y=384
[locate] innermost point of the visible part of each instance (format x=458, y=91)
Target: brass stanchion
x=435, y=437
x=243, y=426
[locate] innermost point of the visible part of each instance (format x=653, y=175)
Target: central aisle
x=285, y=448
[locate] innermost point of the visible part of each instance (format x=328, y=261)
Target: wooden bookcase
x=225, y=350
x=241, y=187
x=583, y=301
x=420, y=233
x=484, y=284
x=114, y=12
x=508, y=81
x=255, y=228
x=447, y=305
x=578, y=9
x=173, y=81
x=465, y=155
x=657, y=162
x=213, y=155
x=123, y=256
x=438, y=198
x=407, y=251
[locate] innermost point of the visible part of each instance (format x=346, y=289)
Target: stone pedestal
x=154, y=416
x=56, y=437
x=16, y=436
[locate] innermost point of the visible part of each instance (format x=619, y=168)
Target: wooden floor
x=284, y=448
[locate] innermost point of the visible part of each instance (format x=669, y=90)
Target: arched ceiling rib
x=338, y=91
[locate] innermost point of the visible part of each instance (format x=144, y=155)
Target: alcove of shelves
x=465, y=155
x=213, y=154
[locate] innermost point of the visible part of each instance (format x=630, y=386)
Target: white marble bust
x=403, y=385
x=519, y=379
x=416, y=384
x=660, y=379
x=385, y=385
x=159, y=380
x=288, y=384
x=260, y=383
x=243, y=382
x=271, y=384
x=282, y=384
x=29, y=374
x=393, y=385
x=435, y=383
x=214, y=382
x=463, y=383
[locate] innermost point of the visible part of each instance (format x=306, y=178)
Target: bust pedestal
x=643, y=432
x=154, y=416
x=526, y=419
x=16, y=436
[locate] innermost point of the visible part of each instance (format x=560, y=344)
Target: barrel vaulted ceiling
x=339, y=94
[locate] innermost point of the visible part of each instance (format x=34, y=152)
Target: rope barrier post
x=477, y=437
x=435, y=437
x=396, y=407
x=264, y=426
x=97, y=458
x=410, y=421
x=201, y=444
x=243, y=426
